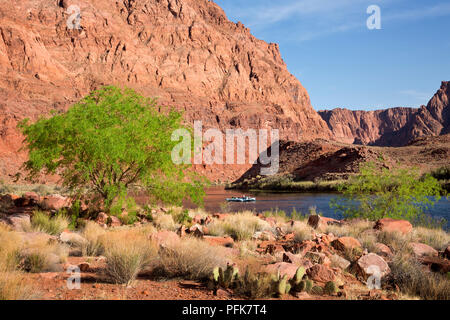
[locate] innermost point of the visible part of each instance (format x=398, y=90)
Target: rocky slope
x=184, y=51
x=391, y=127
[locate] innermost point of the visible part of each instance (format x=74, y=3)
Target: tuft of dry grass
x=190, y=258
x=239, y=226
x=397, y=241
x=409, y=275
x=301, y=230
x=436, y=238
x=13, y=286
x=351, y=229
x=92, y=232
x=42, y=222
x=164, y=221
x=10, y=243
x=127, y=253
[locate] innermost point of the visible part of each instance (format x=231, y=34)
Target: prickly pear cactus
x=299, y=275
x=316, y=290
x=331, y=288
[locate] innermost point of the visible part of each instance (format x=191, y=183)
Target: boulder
x=447, y=253
x=436, y=264
x=264, y=236
x=345, y=243
x=70, y=237
x=317, y=221
x=393, y=225
x=368, y=264
x=422, y=250
x=84, y=267
x=321, y=273
x=165, y=237
x=383, y=250
x=196, y=230
x=18, y=221
x=284, y=268
x=28, y=199
x=55, y=202
x=219, y=241
x=340, y=262
x=114, y=221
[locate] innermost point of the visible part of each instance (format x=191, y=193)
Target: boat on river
x=241, y=199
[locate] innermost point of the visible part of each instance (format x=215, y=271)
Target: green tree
x=109, y=141
x=379, y=193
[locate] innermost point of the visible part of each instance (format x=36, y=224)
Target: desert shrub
x=397, y=241
x=9, y=248
x=436, y=238
x=164, y=221
x=42, y=222
x=368, y=240
x=442, y=173
x=124, y=139
x=93, y=233
x=190, y=258
x=378, y=193
x=408, y=274
x=40, y=255
x=253, y=285
x=13, y=286
x=240, y=226
x=127, y=253
x=302, y=231
x=352, y=229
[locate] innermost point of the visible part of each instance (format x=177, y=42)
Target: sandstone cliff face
x=391, y=127
x=186, y=52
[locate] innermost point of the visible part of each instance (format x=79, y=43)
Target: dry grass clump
x=397, y=241
x=92, y=232
x=351, y=229
x=254, y=285
x=9, y=248
x=42, y=222
x=39, y=254
x=164, y=221
x=436, y=238
x=190, y=258
x=409, y=275
x=13, y=286
x=239, y=226
x=301, y=230
x=127, y=253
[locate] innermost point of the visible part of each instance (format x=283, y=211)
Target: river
x=215, y=202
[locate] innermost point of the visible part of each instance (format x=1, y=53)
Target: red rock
x=422, y=250
x=113, y=221
x=219, y=241
x=55, y=202
x=392, y=225
x=197, y=219
x=345, y=243
x=220, y=216
x=27, y=200
x=284, y=268
x=196, y=230
x=320, y=273
x=293, y=258
x=7, y=202
x=164, y=237
x=317, y=258
x=102, y=218
x=436, y=264
x=383, y=250
x=84, y=267
x=447, y=252
x=318, y=222
x=340, y=262
x=367, y=262
x=181, y=232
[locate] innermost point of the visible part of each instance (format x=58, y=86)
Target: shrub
x=127, y=253
x=164, y=221
x=51, y=225
x=9, y=248
x=397, y=241
x=408, y=274
x=239, y=226
x=92, y=232
x=190, y=258
x=301, y=231
x=13, y=286
x=396, y=193
x=111, y=139
x=255, y=285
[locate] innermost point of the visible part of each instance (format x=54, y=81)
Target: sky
x=327, y=45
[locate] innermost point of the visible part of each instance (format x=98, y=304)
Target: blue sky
x=328, y=47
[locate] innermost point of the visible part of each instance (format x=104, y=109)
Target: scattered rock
x=345, y=243
x=102, y=218
x=436, y=264
x=317, y=221
x=422, y=250
x=320, y=273
x=17, y=221
x=114, y=221
x=393, y=225
x=84, y=267
x=196, y=231
x=219, y=241
x=220, y=216
x=54, y=202
x=317, y=258
x=370, y=263
x=181, y=232
x=340, y=262
x=264, y=236
x=7, y=201
x=285, y=268
x=383, y=250
x=447, y=252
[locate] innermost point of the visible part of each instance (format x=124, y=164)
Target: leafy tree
x=379, y=193
x=110, y=140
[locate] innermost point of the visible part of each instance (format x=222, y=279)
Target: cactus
x=316, y=290
x=282, y=286
x=308, y=285
x=299, y=275
x=227, y=278
x=216, y=274
x=331, y=288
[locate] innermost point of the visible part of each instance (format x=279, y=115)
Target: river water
x=215, y=202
